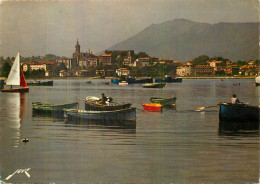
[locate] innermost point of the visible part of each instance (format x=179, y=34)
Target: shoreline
x=91, y=78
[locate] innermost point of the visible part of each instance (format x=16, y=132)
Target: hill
x=182, y=39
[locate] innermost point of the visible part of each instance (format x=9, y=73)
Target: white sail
x=14, y=75
x=257, y=79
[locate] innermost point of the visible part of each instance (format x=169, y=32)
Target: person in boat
x=234, y=99
x=103, y=99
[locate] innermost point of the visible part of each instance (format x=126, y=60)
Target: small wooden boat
x=88, y=82
x=238, y=112
x=123, y=83
x=154, y=85
x=164, y=101
x=152, y=107
x=40, y=83
x=39, y=107
x=16, y=78
x=128, y=114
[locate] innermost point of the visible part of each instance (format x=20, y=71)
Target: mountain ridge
x=182, y=39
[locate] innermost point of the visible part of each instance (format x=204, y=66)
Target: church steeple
x=77, y=46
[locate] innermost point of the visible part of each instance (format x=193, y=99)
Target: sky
x=39, y=27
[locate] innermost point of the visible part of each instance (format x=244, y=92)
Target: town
x=124, y=63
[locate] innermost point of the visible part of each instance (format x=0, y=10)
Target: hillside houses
x=123, y=62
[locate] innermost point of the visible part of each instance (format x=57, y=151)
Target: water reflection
x=238, y=128
x=131, y=125
x=13, y=112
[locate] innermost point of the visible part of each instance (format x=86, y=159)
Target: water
x=175, y=146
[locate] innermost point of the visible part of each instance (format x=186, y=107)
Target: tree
x=140, y=55
x=201, y=60
x=5, y=69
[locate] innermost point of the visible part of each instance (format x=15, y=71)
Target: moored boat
x=40, y=83
x=169, y=79
x=16, y=78
x=128, y=114
x=152, y=107
x=123, y=83
x=238, y=112
x=39, y=107
x=164, y=101
x=154, y=85
x=116, y=81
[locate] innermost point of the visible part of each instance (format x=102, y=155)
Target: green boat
x=164, y=101
x=154, y=85
x=43, y=108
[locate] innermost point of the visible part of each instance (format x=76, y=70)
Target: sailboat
x=16, y=78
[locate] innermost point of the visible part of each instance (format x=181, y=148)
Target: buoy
x=25, y=140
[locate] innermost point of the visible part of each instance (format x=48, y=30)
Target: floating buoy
x=25, y=140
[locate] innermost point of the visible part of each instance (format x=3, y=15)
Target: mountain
x=182, y=39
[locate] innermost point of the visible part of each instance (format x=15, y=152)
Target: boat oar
x=81, y=98
x=202, y=108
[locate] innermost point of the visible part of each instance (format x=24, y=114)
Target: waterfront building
x=105, y=59
x=69, y=62
x=122, y=72
x=45, y=65
x=166, y=61
x=185, y=70
x=81, y=73
x=63, y=73
x=92, y=61
x=100, y=72
x=203, y=70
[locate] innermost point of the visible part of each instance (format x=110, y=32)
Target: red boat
x=152, y=107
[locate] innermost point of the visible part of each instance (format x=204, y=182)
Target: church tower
x=77, y=46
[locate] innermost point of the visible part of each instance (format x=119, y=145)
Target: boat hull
x=152, y=107
x=164, y=101
x=257, y=84
x=128, y=114
x=52, y=109
x=40, y=83
x=154, y=85
x=15, y=90
x=169, y=80
x=99, y=107
x=238, y=112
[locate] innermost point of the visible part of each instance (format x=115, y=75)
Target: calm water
x=175, y=146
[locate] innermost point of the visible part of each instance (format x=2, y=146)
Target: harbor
x=179, y=144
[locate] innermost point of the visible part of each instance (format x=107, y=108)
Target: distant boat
x=128, y=114
x=40, y=83
x=152, y=107
x=154, y=85
x=16, y=78
x=238, y=112
x=164, y=101
x=43, y=108
x=138, y=81
x=88, y=82
x=123, y=83
x=116, y=81
x=257, y=81
x=169, y=79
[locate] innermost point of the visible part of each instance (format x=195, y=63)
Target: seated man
x=103, y=99
x=234, y=99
